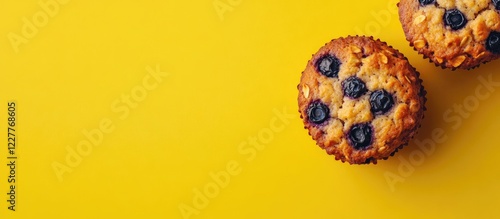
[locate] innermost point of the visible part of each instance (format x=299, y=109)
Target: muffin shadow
x=446, y=90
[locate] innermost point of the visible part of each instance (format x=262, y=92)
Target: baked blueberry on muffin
x=453, y=33
x=360, y=99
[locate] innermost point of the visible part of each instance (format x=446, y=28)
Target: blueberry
x=354, y=87
x=360, y=136
x=381, y=102
x=318, y=112
x=328, y=66
x=426, y=2
x=496, y=3
x=455, y=19
x=493, y=42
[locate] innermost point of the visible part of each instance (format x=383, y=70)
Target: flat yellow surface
x=187, y=109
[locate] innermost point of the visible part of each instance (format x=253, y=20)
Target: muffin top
x=453, y=33
x=360, y=99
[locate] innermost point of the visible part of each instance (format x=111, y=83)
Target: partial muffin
x=453, y=33
x=360, y=99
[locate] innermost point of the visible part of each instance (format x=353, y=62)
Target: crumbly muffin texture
x=360, y=99
x=453, y=33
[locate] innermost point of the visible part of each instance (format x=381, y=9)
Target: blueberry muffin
x=453, y=33
x=360, y=99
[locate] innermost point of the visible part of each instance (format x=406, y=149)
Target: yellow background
x=226, y=80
